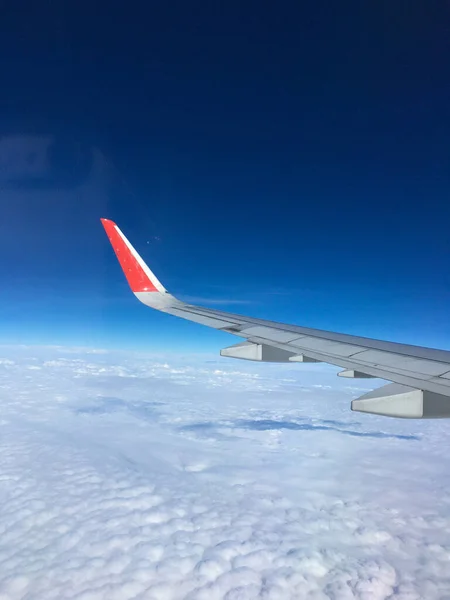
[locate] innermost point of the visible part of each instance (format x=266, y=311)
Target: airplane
x=420, y=377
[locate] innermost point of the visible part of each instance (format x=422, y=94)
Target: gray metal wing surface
x=420, y=376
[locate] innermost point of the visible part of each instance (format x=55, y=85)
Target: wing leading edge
x=420, y=376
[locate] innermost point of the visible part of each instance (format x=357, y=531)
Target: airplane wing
x=420, y=376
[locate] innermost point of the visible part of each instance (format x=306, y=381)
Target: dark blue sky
x=290, y=156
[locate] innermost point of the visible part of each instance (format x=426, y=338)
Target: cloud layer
x=133, y=476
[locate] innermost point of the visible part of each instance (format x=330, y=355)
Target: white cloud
x=132, y=476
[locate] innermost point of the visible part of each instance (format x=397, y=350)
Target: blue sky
x=281, y=161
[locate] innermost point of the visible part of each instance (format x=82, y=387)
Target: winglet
x=140, y=278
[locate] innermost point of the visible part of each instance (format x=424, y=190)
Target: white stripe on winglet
x=158, y=285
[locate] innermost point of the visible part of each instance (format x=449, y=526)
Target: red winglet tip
x=137, y=279
x=108, y=224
